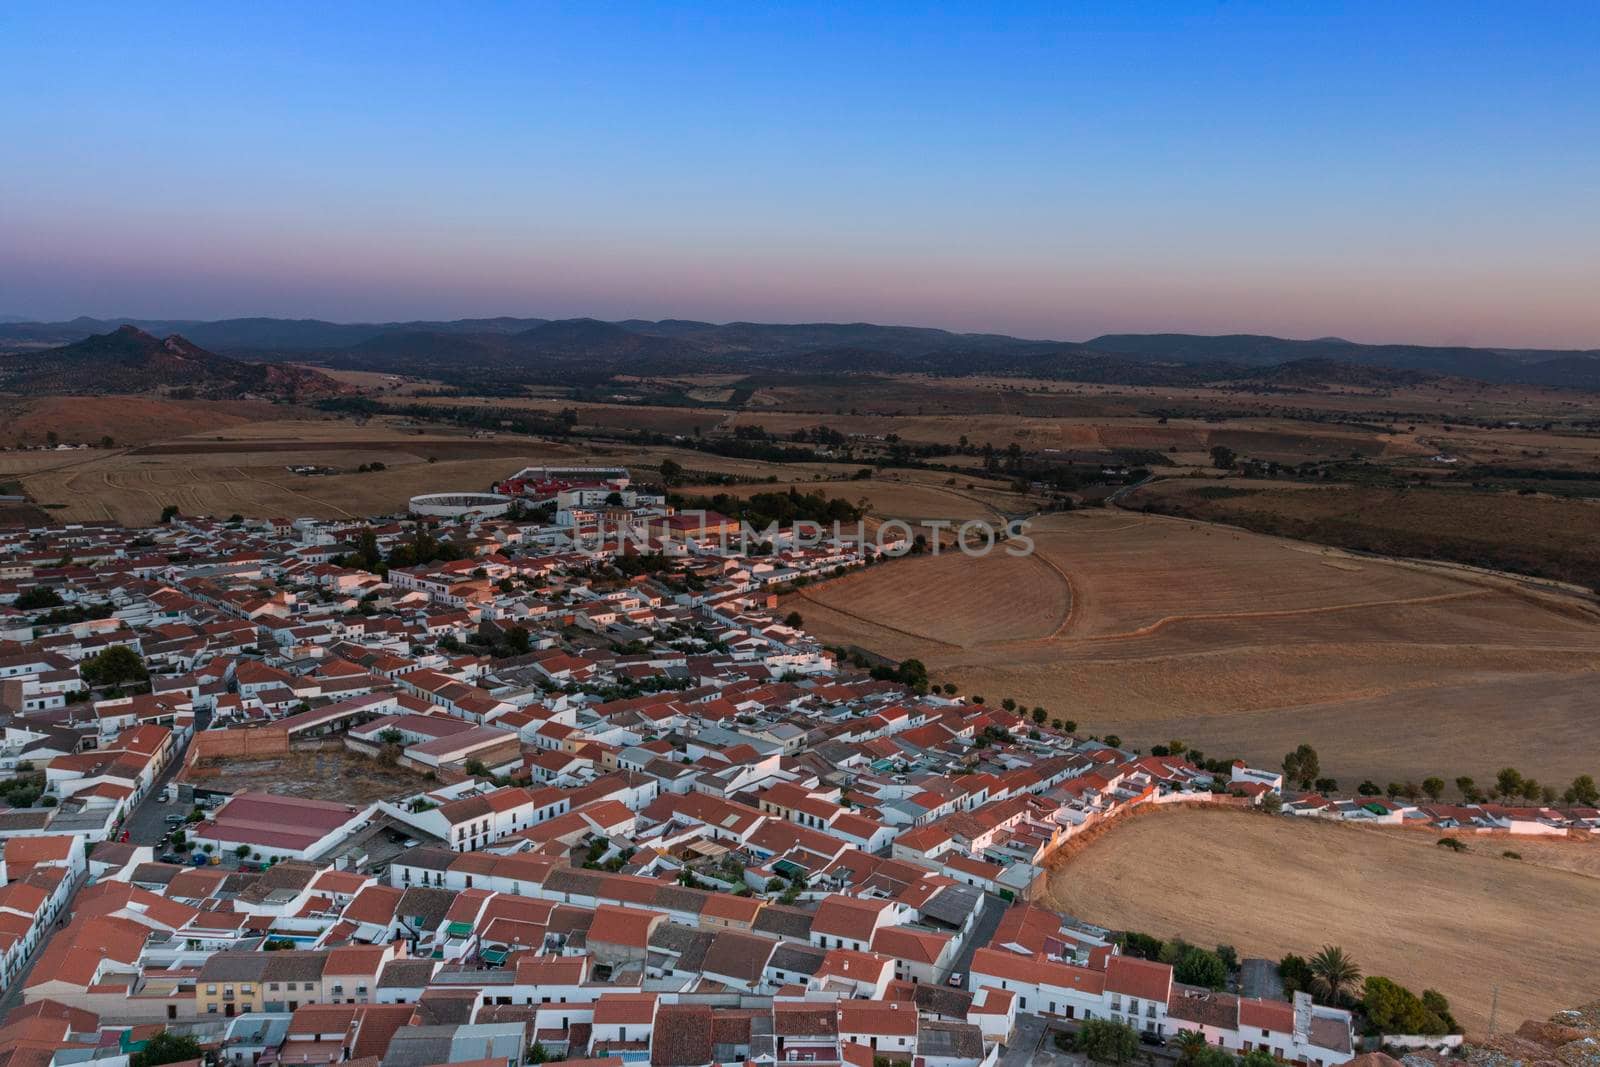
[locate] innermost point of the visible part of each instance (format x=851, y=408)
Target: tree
x=169, y=513
x=1302, y=765
x=1038, y=716
x=117, y=665
x=671, y=472
x=1223, y=457
x=1393, y=1009
x=518, y=640
x=39, y=596
x=1583, y=791
x=1212, y=1056
x=1508, y=782
x=1332, y=972
x=1189, y=1043
x=1368, y=788
x=1258, y=1057
x=794, y=620
x=1433, y=785
x=166, y=1047
x=1070, y=726
x=1295, y=973
x=1107, y=1042
x=1468, y=789
x=1198, y=967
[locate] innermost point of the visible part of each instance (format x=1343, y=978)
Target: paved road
x=148, y=823
x=991, y=908
x=145, y=826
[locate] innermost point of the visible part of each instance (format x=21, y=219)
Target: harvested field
x=1244, y=645
x=127, y=420
x=912, y=496
x=243, y=470
x=1403, y=907
x=1539, y=535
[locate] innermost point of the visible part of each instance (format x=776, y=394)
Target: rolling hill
x=509, y=347
x=128, y=360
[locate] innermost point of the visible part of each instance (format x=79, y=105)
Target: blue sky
x=1419, y=172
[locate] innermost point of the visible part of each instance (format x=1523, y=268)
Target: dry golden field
x=1461, y=923
x=1244, y=645
x=1533, y=534
x=128, y=420
x=909, y=495
x=242, y=469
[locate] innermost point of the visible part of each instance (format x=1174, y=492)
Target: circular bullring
x=461, y=505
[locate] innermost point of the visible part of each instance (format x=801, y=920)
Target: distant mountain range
x=514, y=348
x=129, y=360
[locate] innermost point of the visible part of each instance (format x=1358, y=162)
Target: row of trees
x=1303, y=766
x=1332, y=976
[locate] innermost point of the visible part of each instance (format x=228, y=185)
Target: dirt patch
x=329, y=772
x=1428, y=917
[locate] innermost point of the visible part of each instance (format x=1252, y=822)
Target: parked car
x=174, y=820
x=1151, y=1038
x=958, y=980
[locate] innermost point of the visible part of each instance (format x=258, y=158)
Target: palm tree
x=1332, y=972
x=1189, y=1043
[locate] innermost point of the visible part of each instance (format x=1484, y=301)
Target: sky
x=1418, y=172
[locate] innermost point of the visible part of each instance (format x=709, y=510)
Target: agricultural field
x=909, y=495
x=127, y=420
x=1153, y=628
x=1430, y=918
x=243, y=470
x=1531, y=534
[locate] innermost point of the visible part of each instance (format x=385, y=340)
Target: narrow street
x=145, y=826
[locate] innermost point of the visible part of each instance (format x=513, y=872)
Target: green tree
x=169, y=513
x=1433, y=785
x=1583, y=791
x=117, y=665
x=1302, y=765
x=166, y=1047
x=1508, y=781
x=1295, y=973
x=1393, y=1009
x=1332, y=972
x=40, y=596
x=1468, y=789
x=1189, y=1044
x=518, y=640
x=1198, y=967
x=1223, y=457
x=1212, y=1056
x=1258, y=1057
x=1107, y=1042
x=671, y=472
x=1038, y=716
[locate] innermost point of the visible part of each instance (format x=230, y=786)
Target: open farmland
x=1461, y=923
x=1243, y=645
x=911, y=495
x=1541, y=535
x=244, y=470
x=127, y=420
